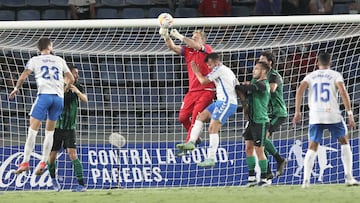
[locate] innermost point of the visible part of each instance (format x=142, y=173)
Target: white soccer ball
x=117, y=139
x=165, y=20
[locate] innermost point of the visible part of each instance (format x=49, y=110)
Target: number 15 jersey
x=323, y=96
x=49, y=73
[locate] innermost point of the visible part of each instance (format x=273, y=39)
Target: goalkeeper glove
x=164, y=33
x=174, y=33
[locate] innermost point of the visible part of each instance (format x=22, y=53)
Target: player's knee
x=249, y=148
x=214, y=127
x=72, y=154
x=204, y=116
x=211, y=129
x=314, y=146
x=343, y=140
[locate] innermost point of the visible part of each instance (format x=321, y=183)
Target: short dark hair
x=324, y=58
x=269, y=55
x=264, y=65
x=43, y=43
x=212, y=56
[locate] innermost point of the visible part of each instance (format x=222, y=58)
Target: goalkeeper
x=277, y=112
x=65, y=133
x=198, y=96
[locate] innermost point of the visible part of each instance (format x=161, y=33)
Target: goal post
x=135, y=86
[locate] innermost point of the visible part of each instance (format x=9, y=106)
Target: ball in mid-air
x=165, y=20
x=117, y=139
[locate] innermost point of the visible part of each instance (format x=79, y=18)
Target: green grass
x=278, y=194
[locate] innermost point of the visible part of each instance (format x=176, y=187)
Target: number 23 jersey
x=49, y=73
x=323, y=96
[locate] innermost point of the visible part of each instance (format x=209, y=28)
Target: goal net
x=135, y=86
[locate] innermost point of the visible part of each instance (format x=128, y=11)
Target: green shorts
x=63, y=138
x=256, y=132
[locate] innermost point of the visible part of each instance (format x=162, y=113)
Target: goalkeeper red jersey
x=191, y=54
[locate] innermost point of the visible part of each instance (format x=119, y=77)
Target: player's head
x=75, y=72
x=199, y=36
x=260, y=70
x=212, y=60
x=45, y=44
x=268, y=57
x=324, y=60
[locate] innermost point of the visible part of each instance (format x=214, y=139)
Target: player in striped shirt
x=53, y=77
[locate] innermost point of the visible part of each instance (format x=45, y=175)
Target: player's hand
x=194, y=67
x=74, y=89
x=351, y=121
x=164, y=33
x=66, y=87
x=296, y=119
x=174, y=33
x=13, y=93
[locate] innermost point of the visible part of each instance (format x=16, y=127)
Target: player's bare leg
x=29, y=145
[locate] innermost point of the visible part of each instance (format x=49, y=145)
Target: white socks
x=346, y=158
x=308, y=164
x=196, y=130
x=48, y=143
x=29, y=144
x=214, y=144
x=214, y=139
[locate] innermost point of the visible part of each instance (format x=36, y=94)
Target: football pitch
x=324, y=193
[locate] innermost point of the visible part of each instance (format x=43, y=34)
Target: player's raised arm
x=192, y=43
x=298, y=98
x=346, y=100
x=164, y=33
x=20, y=82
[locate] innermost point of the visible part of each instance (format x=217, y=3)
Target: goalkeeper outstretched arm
x=188, y=41
x=164, y=32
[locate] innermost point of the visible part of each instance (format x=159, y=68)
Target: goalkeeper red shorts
x=194, y=103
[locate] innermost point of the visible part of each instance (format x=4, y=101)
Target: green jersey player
x=258, y=95
x=64, y=135
x=277, y=112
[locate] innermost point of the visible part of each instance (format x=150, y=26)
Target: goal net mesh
x=135, y=86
